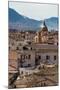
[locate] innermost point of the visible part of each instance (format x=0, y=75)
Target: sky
x=34, y=10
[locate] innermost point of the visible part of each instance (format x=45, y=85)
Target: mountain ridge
x=18, y=21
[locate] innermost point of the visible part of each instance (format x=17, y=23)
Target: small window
x=17, y=48
x=31, y=48
x=21, y=72
x=29, y=65
x=39, y=57
x=54, y=57
x=26, y=57
x=29, y=56
x=23, y=36
x=47, y=57
x=25, y=48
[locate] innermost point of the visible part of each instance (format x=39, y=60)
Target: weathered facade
x=36, y=55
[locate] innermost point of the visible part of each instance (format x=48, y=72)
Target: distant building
x=53, y=37
x=27, y=58
x=46, y=37
x=29, y=49
x=13, y=64
x=37, y=54
x=21, y=36
x=42, y=35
